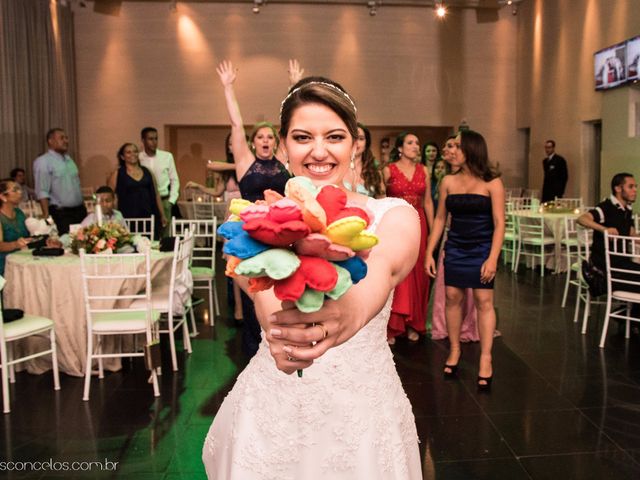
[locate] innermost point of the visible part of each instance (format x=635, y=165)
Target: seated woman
x=13, y=234
x=105, y=197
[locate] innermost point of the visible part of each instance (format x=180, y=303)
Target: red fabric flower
x=334, y=202
x=276, y=234
x=314, y=272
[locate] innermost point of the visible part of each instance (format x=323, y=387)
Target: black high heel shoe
x=453, y=369
x=484, y=387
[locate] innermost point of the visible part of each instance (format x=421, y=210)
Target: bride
x=348, y=416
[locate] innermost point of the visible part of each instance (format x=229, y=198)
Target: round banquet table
x=554, y=225
x=52, y=287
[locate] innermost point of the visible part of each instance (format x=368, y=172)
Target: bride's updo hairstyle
x=319, y=90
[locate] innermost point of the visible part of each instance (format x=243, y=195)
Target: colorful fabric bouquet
x=94, y=238
x=308, y=245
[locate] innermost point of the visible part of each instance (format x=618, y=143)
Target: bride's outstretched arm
x=290, y=332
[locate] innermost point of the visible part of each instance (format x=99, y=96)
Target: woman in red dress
x=408, y=179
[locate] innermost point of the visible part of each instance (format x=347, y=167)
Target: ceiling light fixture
x=257, y=4
x=441, y=9
x=373, y=7
x=510, y=3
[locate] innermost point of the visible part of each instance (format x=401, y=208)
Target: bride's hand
x=285, y=362
x=332, y=325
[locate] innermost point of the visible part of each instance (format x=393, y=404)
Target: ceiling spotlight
x=373, y=10
x=509, y=3
x=256, y=6
x=441, y=9
x=514, y=10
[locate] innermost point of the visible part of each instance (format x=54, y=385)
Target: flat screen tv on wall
x=611, y=66
x=633, y=59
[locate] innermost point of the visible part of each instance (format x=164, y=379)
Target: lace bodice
x=263, y=175
x=348, y=405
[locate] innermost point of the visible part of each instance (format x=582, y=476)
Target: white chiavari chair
x=583, y=296
x=90, y=204
x=623, y=280
x=31, y=208
x=142, y=226
x=524, y=203
x=510, y=192
x=10, y=332
x=568, y=203
x=174, y=301
x=531, y=193
x=105, y=310
x=203, y=259
x=532, y=240
x=509, y=246
x=570, y=244
x=204, y=210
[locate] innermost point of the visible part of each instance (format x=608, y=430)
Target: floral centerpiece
x=108, y=238
x=557, y=207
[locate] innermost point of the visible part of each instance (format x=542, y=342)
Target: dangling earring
x=352, y=163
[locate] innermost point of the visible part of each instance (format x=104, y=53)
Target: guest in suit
x=555, y=173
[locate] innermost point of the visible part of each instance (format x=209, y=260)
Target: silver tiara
x=326, y=84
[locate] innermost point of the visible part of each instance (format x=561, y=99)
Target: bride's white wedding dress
x=346, y=418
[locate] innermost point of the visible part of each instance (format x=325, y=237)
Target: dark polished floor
x=560, y=407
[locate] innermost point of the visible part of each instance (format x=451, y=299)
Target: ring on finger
x=325, y=332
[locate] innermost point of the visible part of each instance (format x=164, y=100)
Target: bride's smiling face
x=319, y=145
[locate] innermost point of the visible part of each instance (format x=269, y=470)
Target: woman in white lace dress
x=348, y=416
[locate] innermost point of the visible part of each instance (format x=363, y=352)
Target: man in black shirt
x=614, y=215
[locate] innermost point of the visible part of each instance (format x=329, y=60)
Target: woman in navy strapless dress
x=474, y=196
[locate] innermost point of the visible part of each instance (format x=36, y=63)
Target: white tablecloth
x=554, y=226
x=52, y=287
